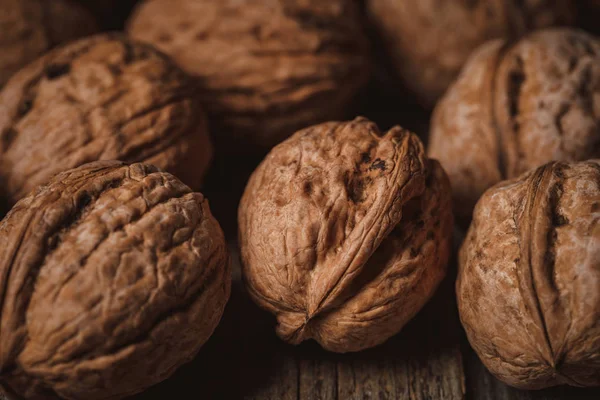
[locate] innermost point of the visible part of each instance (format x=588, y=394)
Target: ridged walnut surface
x=430, y=40
x=515, y=107
x=111, y=277
x=29, y=28
x=345, y=233
x=267, y=67
x=529, y=278
x=101, y=98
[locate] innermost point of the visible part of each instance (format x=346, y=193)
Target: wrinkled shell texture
x=529, y=278
x=515, y=107
x=29, y=28
x=267, y=67
x=111, y=276
x=430, y=40
x=345, y=233
x=101, y=98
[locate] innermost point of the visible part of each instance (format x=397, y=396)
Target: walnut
x=29, y=28
x=101, y=98
x=528, y=283
x=266, y=67
x=517, y=106
x=430, y=40
x=345, y=233
x=111, y=277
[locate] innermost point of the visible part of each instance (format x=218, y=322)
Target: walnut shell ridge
x=267, y=67
x=111, y=277
x=100, y=98
x=430, y=40
x=345, y=233
x=528, y=285
x=29, y=28
x=517, y=106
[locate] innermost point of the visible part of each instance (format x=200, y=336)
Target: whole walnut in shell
x=111, y=277
x=430, y=40
x=100, y=98
x=266, y=67
x=517, y=106
x=29, y=28
x=345, y=233
x=529, y=279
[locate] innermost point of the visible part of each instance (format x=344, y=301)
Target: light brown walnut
x=345, y=233
x=517, y=106
x=529, y=277
x=111, y=277
x=29, y=28
x=267, y=67
x=430, y=40
x=100, y=98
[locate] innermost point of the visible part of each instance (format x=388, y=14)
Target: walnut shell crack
x=29, y=28
x=111, y=277
x=528, y=286
x=267, y=67
x=430, y=40
x=100, y=98
x=517, y=106
x=345, y=233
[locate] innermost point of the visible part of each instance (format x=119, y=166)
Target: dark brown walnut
x=529, y=279
x=29, y=28
x=111, y=277
x=345, y=233
x=101, y=98
x=517, y=106
x=266, y=67
x=430, y=40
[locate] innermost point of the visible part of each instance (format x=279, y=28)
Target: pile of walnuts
x=114, y=272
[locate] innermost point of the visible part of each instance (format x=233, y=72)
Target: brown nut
x=430, y=40
x=515, y=107
x=101, y=98
x=266, y=67
x=29, y=28
x=111, y=277
x=345, y=233
x=529, y=279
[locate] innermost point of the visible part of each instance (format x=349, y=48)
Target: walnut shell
x=345, y=234
x=529, y=279
x=517, y=106
x=266, y=67
x=111, y=277
x=430, y=40
x=101, y=98
x=29, y=28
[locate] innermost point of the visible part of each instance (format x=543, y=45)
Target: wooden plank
x=317, y=375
